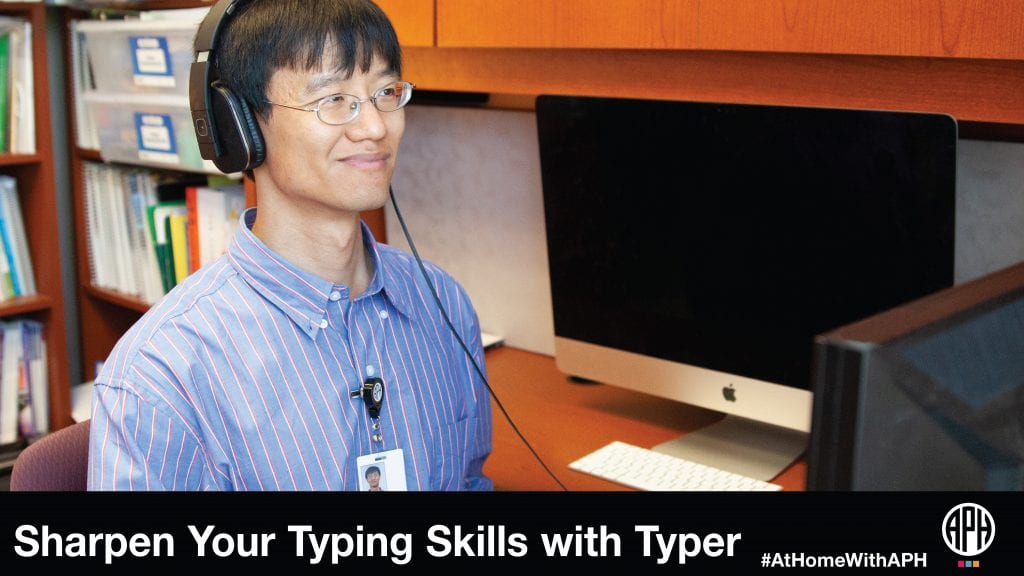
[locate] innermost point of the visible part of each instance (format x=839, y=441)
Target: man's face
x=321, y=167
x=373, y=478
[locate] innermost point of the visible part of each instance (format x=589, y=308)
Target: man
x=373, y=479
x=249, y=375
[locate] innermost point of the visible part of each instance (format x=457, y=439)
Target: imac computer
x=925, y=396
x=696, y=249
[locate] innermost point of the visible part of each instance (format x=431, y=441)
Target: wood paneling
x=560, y=24
x=971, y=90
x=413, y=20
x=926, y=28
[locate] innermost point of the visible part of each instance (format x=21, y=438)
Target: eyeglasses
x=338, y=109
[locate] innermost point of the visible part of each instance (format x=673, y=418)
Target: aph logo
x=968, y=529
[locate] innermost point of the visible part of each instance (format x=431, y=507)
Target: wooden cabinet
x=36, y=185
x=960, y=57
x=661, y=24
x=978, y=29
x=413, y=20
x=922, y=28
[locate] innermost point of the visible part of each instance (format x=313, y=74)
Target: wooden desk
x=564, y=420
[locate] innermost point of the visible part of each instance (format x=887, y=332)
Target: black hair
x=371, y=469
x=266, y=35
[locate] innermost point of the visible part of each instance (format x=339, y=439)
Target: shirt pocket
x=449, y=453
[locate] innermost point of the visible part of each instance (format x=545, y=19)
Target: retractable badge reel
x=373, y=397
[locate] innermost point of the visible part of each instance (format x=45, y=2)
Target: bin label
x=151, y=61
x=155, y=134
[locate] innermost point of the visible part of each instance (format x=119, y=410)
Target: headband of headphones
x=226, y=130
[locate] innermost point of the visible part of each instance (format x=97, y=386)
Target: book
x=35, y=369
x=217, y=212
x=5, y=90
x=12, y=284
x=157, y=219
x=142, y=193
x=9, y=374
x=23, y=138
x=191, y=229
x=15, y=239
x=20, y=114
x=6, y=257
x=177, y=224
x=94, y=229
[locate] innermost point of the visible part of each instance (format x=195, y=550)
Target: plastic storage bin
x=151, y=130
x=140, y=56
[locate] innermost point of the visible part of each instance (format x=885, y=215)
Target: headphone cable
x=479, y=371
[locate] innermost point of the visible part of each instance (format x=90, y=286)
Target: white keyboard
x=645, y=469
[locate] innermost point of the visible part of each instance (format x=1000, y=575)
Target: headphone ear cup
x=237, y=132
x=252, y=128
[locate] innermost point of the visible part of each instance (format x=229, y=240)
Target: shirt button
x=384, y=314
x=323, y=323
x=335, y=296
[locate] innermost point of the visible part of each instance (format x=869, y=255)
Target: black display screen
x=727, y=236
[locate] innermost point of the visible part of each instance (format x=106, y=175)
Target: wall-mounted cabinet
x=413, y=20
x=991, y=29
x=960, y=57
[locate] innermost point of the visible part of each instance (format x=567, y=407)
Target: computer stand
x=740, y=445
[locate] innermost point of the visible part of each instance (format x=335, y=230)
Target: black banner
x=402, y=532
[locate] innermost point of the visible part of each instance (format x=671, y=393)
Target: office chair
x=57, y=462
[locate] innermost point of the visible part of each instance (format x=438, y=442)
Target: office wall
x=990, y=207
x=469, y=187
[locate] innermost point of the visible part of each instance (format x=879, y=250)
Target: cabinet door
x=668, y=24
x=413, y=20
x=931, y=28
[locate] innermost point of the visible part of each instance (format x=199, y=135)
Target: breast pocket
x=450, y=453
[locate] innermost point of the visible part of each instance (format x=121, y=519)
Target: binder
x=158, y=216
x=11, y=348
x=15, y=240
x=177, y=223
x=5, y=90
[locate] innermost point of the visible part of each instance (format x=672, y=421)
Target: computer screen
x=695, y=249
x=925, y=396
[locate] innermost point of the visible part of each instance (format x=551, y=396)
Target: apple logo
x=730, y=393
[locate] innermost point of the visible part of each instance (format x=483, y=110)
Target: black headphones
x=225, y=127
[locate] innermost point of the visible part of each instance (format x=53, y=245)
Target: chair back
x=57, y=462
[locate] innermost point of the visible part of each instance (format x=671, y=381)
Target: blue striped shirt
x=241, y=378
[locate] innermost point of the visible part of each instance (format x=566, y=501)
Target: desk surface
x=564, y=420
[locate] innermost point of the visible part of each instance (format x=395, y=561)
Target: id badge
x=382, y=471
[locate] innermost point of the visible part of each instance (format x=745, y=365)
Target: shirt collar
x=301, y=295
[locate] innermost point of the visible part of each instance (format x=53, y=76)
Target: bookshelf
x=37, y=191
x=104, y=315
